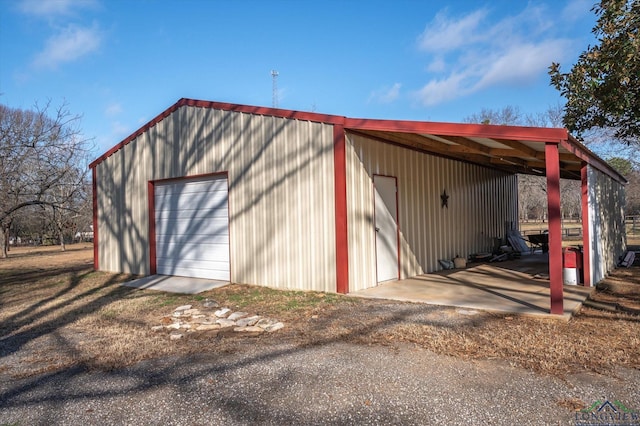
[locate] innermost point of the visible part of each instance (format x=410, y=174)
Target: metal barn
x=309, y=201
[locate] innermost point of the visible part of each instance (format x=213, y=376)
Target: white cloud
x=437, y=65
x=67, y=45
x=438, y=91
x=50, y=8
x=577, y=9
x=520, y=63
x=473, y=53
x=444, y=34
x=386, y=95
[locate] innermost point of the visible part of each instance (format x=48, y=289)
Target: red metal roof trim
x=489, y=131
x=574, y=146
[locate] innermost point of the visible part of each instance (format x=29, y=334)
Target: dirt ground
x=57, y=313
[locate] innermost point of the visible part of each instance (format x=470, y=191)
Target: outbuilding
x=308, y=201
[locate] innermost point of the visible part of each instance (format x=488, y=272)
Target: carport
x=549, y=152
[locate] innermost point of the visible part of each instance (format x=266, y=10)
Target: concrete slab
x=520, y=287
x=173, y=284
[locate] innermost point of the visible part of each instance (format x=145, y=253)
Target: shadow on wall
x=608, y=234
x=281, y=208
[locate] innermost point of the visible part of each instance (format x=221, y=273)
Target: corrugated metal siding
x=481, y=202
x=281, y=193
x=607, y=233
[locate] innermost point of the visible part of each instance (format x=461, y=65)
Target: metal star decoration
x=445, y=199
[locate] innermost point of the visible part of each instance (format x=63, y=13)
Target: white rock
x=237, y=315
x=176, y=336
x=185, y=326
x=157, y=327
x=265, y=322
x=174, y=326
x=249, y=328
x=222, y=313
x=243, y=322
x=182, y=308
x=224, y=322
x=206, y=327
x=191, y=312
x=209, y=304
x=274, y=327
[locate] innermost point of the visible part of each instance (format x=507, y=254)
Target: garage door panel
x=192, y=228
x=201, y=264
x=188, y=202
x=210, y=274
x=209, y=252
x=193, y=187
x=169, y=243
x=195, y=213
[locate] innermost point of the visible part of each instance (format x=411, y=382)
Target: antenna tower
x=274, y=94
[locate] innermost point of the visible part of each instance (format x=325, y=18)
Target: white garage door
x=192, y=228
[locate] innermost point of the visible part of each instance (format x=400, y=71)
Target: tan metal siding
x=481, y=202
x=281, y=193
x=607, y=233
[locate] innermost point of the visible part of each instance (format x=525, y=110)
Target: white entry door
x=192, y=228
x=386, y=222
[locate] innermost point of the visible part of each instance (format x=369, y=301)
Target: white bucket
x=570, y=275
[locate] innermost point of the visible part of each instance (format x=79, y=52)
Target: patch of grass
x=167, y=301
x=277, y=302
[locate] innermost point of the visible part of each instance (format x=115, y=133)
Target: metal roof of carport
x=513, y=149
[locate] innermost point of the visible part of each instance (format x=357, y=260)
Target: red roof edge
x=578, y=149
x=257, y=110
x=490, y=131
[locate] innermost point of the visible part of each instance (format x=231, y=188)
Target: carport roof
x=513, y=149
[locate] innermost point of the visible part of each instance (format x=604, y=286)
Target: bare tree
x=43, y=160
x=532, y=200
x=552, y=117
x=507, y=116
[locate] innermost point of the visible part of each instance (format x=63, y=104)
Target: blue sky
x=120, y=63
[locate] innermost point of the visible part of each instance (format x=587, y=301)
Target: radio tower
x=274, y=94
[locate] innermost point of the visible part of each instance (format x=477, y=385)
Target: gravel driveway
x=336, y=383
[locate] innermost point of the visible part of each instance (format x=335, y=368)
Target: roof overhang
x=513, y=149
